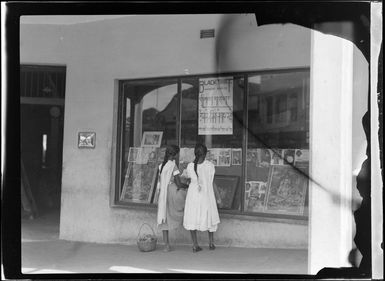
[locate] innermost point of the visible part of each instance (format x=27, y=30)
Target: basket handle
x=140, y=229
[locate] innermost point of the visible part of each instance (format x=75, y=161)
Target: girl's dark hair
x=200, y=151
x=170, y=150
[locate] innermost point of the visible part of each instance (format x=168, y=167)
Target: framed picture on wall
x=227, y=185
x=152, y=139
x=86, y=139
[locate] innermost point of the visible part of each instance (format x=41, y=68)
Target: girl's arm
x=177, y=179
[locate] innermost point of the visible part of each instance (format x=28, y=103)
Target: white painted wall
x=338, y=99
x=96, y=53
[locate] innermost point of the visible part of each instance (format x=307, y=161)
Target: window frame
x=120, y=105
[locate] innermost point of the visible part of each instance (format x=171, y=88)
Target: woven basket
x=146, y=242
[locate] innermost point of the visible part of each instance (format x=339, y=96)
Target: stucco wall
x=96, y=53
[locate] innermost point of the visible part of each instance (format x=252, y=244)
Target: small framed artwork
x=152, y=139
x=236, y=156
x=86, y=140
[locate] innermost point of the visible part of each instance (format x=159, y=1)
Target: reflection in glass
x=277, y=152
x=150, y=108
x=225, y=150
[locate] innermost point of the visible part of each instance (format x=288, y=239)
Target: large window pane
x=221, y=113
x=150, y=114
x=277, y=161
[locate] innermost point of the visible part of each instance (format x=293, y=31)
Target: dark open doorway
x=41, y=122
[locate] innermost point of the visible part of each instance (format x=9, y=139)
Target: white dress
x=201, y=212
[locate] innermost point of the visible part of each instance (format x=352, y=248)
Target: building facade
x=278, y=106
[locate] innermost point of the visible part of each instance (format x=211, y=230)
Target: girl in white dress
x=201, y=212
x=172, y=195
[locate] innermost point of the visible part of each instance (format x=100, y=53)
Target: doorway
x=41, y=123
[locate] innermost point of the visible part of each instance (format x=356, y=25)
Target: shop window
x=149, y=114
x=255, y=126
x=216, y=120
x=277, y=161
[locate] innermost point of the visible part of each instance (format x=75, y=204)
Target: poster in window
x=264, y=157
x=286, y=190
x=255, y=196
x=289, y=156
x=301, y=157
x=227, y=185
x=140, y=184
x=276, y=157
x=215, y=109
x=252, y=155
x=224, y=157
x=236, y=156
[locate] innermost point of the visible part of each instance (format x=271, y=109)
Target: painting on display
x=215, y=109
x=139, y=181
x=152, y=139
x=255, y=196
x=227, y=185
x=236, y=156
x=276, y=157
x=224, y=157
x=287, y=189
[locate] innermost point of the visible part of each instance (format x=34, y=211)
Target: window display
x=261, y=169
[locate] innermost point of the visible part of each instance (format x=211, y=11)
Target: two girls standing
x=200, y=207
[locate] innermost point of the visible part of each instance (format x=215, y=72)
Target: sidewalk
x=43, y=252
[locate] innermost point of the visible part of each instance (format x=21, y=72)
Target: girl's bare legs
x=196, y=247
x=166, y=242
x=211, y=241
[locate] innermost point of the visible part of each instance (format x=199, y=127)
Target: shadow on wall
x=313, y=16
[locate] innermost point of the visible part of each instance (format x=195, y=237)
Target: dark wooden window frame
x=117, y=173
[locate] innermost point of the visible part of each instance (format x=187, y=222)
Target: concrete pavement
x=43, y=252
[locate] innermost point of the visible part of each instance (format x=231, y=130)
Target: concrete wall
x=338, y=101
x=96, y=53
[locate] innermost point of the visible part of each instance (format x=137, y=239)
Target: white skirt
x=197, y=211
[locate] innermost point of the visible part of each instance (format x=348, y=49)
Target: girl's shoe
x=196, y=249
x=212, y=247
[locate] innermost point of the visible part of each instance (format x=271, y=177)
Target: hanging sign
x=215, y=106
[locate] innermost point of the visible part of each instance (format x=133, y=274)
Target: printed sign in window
x=216, y=106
